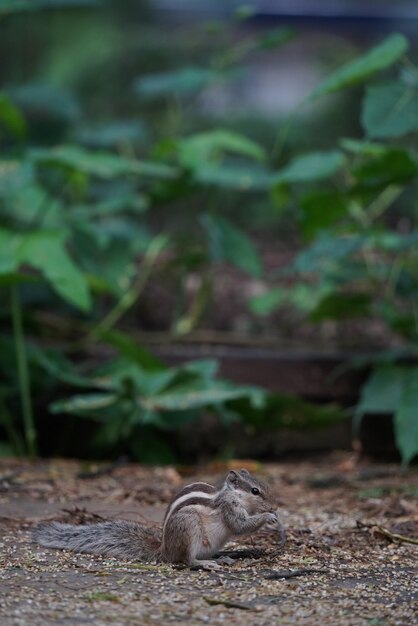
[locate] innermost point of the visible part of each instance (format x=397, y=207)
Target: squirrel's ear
x=232, y=479
x=244, y=472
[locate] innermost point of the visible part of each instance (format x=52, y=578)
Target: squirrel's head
x=253, y=494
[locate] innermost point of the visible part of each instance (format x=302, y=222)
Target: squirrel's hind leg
x=198, y=550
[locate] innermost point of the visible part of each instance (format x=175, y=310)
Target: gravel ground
x=350, y=558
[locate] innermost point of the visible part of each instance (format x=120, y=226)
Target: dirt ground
x=350, y=557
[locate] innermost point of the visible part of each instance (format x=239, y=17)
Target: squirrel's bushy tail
x=120, y=539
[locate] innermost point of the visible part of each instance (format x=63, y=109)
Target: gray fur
x=119, y=538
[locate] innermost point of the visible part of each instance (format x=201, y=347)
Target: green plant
x=93, y=213
x=77, y=242
x=135, y=398
x=55, y=232
x=351, y=202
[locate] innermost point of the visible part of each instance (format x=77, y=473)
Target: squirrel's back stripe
x=193, y=499
x=195, y=489
x=205, y=487
x=188, y=496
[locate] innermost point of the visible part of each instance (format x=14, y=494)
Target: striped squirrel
x=198, y=522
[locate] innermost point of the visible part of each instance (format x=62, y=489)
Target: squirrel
x=198, y=522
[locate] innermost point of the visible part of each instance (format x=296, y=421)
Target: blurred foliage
x=76, y=237
x=103, y=131
x=354, y=263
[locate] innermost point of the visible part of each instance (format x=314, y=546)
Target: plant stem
x=23, y=373
x=12, y=433
x=131, y=296
x=190, y=320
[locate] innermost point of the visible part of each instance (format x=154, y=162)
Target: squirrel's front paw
x=272, y=519
x=273, y=522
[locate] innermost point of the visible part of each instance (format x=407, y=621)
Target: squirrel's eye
x=255, y=491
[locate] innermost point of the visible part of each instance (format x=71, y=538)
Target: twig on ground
x=280, y=574
x=386, y=532
x=395, y=536
x=231, y=604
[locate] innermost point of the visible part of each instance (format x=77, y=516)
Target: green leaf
x=306, y=297
x=128, y=348
x=125, y=375
x=392, y=241
x=46, y=252
x=197, y=399
x=211, y=146
x=57, y=366
x=340, y=306
x=204, y=368
x=382, y=392
x=267, y=302
x=166, y=420
x=402, y=322
x=394, y=389
x=406, y=417
x=326, y=252
x=375, y=60
x=81, y=404
x=365, y=148
x=152, y=169
x=107, y=251
x=46, y=104
x=393, y=166
x=311, y=167
x=9, y=252
x=390, y=110
x=31, y=204
x=124, y=203
x=320, y=210
x=100, y=164
x=281, y=195
x=112, y=134
x=181, y=82
x=14, y=177
x=229, y=243
x=243, y=178
x=11, y=117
